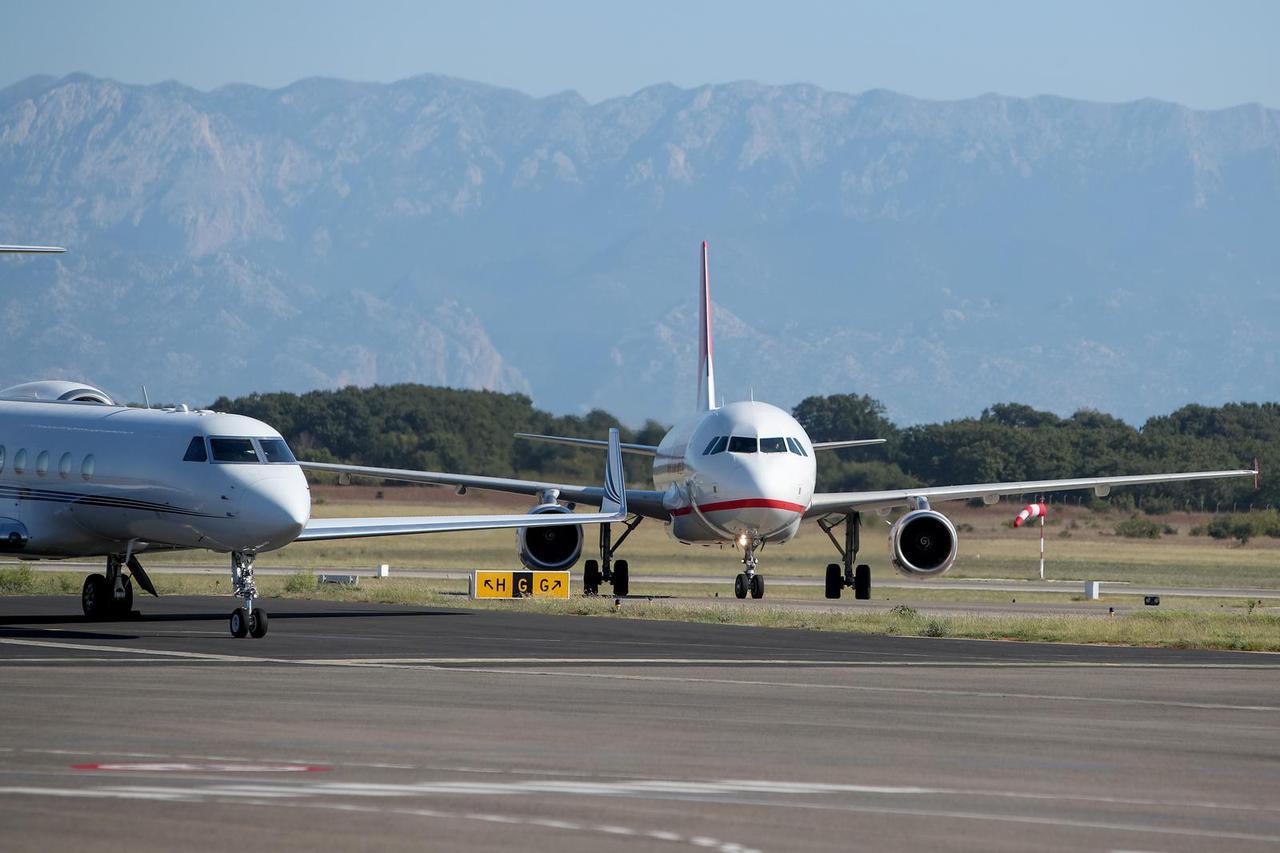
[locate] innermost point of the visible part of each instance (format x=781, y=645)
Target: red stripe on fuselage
x=767, y=503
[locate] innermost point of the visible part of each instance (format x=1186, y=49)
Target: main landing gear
x=246, y=620
x=110, y=596
x=748, y=581
x=858, y=577
x=606, y=569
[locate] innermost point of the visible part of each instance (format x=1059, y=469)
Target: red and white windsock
x=1028, y=512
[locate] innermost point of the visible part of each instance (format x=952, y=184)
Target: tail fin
x=706, y=370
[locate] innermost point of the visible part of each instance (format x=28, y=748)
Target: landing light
x=742, y=540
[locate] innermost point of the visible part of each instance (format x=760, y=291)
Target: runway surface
x=409, y=728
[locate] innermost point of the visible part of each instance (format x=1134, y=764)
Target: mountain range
x=940, y=256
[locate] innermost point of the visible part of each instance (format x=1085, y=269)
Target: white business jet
x=83, y=477
x=744, y=473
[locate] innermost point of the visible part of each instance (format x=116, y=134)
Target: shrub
x=17, y=581
x=1134, y=527
x=935, y=629
x=300, y=582
x=1170, y=530
x=1242, y=531
x=1157, y=506
x=904, y=611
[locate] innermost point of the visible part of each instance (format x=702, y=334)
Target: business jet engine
x=557, y=546
x=923, y=543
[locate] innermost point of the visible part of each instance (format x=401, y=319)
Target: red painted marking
x=203, y=767
x=766, y=503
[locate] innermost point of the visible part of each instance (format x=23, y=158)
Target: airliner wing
x=611, y=498
x=837, y=502
x=856, y=442
x=31, y=250
x=640, y=449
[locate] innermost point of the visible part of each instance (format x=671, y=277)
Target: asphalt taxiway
x=409, y=728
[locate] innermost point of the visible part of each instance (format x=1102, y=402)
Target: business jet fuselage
x=82, y=477
x=84, y=480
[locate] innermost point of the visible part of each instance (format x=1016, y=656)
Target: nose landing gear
x=246, y=620
x=748, y=581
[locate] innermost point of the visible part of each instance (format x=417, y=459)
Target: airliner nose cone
x=276, y=510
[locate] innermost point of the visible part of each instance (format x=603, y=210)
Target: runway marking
x=919, y=691
x=204, y=767
x=130, y=650
x=278, y=794
x=652, y=661
x=217, y=796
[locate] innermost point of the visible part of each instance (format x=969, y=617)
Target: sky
x=1201, y=54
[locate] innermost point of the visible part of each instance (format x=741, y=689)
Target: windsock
x=1032, y=511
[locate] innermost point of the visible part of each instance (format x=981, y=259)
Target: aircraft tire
x=258, y=623
x=862, y=582
x=757, y=586
x=238, y=624
x=835, y=580
x=93, y=596
x=621, y=578
x=740, y=585
x=591, y=578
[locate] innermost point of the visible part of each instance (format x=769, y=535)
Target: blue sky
x=1201, y=54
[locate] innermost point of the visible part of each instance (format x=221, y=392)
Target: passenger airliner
x=83, y=477
x=744, y=473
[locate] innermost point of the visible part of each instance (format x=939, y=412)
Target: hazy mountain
x=938, y=255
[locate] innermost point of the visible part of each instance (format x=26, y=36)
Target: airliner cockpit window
x=710, y=444
x=742, y=444
x=233, y=450
x=773, y=445
x=275, y=451
x=721, y=443
x=796, y=447
x=196, y=451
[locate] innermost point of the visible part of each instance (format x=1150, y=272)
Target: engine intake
x=556, y=546
x=923, y=542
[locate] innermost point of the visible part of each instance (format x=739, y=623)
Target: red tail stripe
x=766, y=503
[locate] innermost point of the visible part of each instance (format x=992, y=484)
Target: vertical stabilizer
x=706, y=371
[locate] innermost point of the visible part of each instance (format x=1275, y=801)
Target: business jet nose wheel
x=246, y=620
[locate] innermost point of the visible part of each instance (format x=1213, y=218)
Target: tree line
x=448, y=429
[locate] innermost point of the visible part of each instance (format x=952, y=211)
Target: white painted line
x=129, y=650
x=861, y=688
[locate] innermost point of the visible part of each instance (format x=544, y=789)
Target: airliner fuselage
x=744, y=471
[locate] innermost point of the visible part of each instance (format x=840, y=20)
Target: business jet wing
x=611, y=498
x=836, y=502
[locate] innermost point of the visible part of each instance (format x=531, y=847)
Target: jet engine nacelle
x=13, y=535
x=923, y=542
x=556, y=546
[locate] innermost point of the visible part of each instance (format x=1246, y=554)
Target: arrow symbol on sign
x=488, y=584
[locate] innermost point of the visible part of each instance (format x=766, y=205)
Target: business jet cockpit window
x=235, y=450
x=742, y=444
x=773, y=445
x=276, y=452
x=196, y=451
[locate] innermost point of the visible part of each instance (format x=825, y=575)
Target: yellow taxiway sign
x=490, y=584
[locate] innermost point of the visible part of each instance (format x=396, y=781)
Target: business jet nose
x=276, y=510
